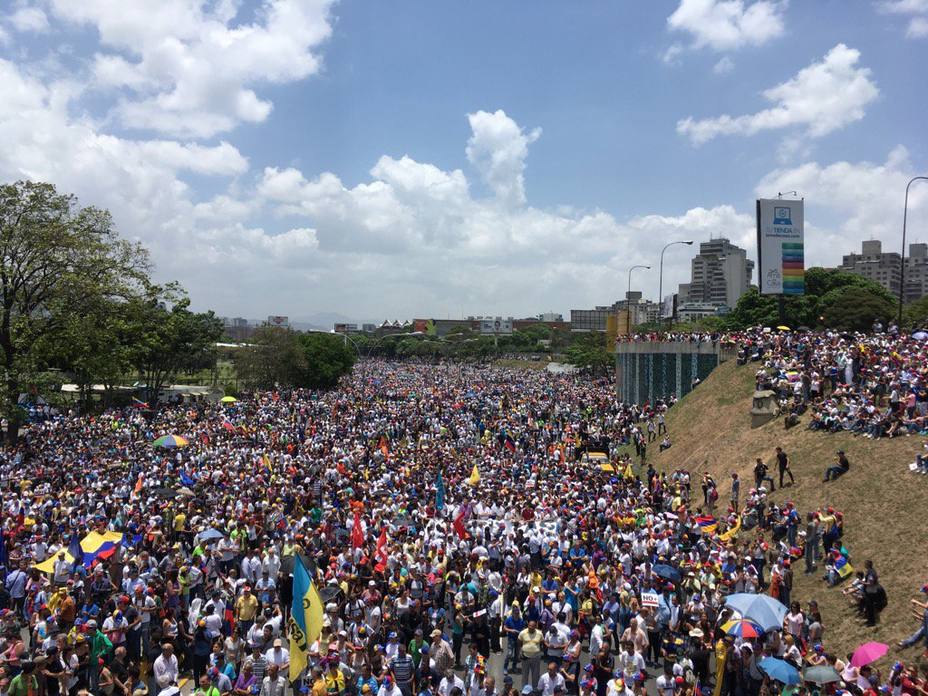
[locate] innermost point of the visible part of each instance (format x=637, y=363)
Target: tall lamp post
x=660, y=282
x=628, y=311
x=905, y=212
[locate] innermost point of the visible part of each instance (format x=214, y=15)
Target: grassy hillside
x=883, y=502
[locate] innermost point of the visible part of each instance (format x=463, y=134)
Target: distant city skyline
x=375, y=161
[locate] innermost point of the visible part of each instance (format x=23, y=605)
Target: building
x=694, y=311
x=346, y=328
x=641, y=312
x=871, y=263
x=720, y=274
x=592, y=319
x=237, y=328
x=885, y=268
x=916, y=272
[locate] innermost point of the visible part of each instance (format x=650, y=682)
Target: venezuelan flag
x=305, y=622
x=95, y=547
x=707, y=524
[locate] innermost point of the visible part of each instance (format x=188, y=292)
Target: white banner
x=780, y=251
x=649, y=599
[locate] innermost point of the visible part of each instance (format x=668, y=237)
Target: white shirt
x=277, y=656
x=165, y=670
x=547, y=684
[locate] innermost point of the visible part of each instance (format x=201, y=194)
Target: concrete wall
x=648, y=371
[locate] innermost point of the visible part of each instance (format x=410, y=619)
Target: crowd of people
x=462, y=541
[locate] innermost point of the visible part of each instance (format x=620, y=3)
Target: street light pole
x=660, y=282
x=628, y=311
x=905, y=213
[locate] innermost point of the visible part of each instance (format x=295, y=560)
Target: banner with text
x=780, y=239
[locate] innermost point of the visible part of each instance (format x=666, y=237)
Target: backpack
x=713, y=494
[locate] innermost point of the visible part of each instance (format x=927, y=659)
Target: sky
x=437, y=158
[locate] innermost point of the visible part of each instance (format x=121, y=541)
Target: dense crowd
x=452, y=518
x=871, y=384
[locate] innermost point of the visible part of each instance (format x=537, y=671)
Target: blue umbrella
x=667, y=572
x=763, y=610
x=210, y=534
x=780, y=670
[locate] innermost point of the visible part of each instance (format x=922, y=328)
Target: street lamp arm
x=905, y=214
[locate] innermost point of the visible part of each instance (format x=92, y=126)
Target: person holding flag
x=305, y=622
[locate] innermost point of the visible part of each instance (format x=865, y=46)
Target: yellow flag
x=474, y=476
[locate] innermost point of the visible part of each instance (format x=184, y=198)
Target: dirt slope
x=885, y=505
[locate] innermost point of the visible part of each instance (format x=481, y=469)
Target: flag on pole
x=138, y=485
x=357, y=535
x=381, y=552
x=305, y=622
x=266, y=461
x=439, y=493
x=474, y=476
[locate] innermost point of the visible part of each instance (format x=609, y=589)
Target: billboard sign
x=277, y=320
x=491, y=326
x=780, y=239
x=667, y=307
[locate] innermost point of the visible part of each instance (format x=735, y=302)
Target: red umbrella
x=868, y=652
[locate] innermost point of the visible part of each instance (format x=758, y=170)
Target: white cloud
x=497, y=148
x=724, y=66
x=724, y=25
x=29, y=19
x=823, y=97
x=916, y=10
x=186, y=68
x=848, y=202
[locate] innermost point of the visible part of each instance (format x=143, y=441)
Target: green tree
x=588, y=351
x=854, y=308
x=915, y=314
x=53, y=256
x=167, y=338
x=272, y=357
x=327, y=358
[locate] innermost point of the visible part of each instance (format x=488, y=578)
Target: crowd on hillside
x=874, y=384
x=447, y=514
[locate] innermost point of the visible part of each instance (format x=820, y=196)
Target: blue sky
x=436, y=158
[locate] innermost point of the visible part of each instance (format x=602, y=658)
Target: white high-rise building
x=721, y=274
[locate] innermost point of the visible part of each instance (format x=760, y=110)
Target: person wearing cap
x=389, y=687
x=278, y=655
x=841, y=466
x=246, y=608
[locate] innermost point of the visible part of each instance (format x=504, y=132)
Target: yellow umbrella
x=783, y=328
x=228, y=399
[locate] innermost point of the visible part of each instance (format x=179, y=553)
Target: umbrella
x=782, y=328
x=165, y=492
x=183, y=490
x=920, y=335
x=667, y=572
x=743, y=628
x=820, y=674
x=228, y=399
x=170, y=441
x=763, y=610
x=868, y=652
x=210, y=534
x=780, y=670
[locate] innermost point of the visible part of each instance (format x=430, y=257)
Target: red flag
x=381, y=553
x=357, y=536
x=458, y=525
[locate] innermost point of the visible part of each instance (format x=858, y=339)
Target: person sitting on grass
x=840, y=467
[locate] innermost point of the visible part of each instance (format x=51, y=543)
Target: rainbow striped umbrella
x=743, y=628
x=170, y=441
